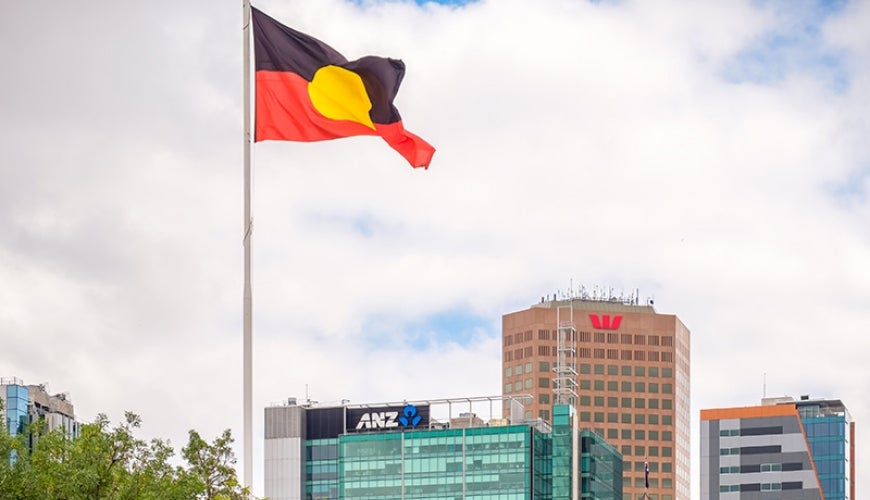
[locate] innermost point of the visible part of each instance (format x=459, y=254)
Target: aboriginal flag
x=307, y=91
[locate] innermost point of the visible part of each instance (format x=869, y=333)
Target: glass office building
x=15, y=403
x=384, y=452
x=830, y=433
x=24, y=404
x=783, y=449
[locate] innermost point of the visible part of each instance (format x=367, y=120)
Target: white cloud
x=598, y=142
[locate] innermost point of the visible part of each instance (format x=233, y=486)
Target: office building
x=436, y=449
x=24, y=404
x=625, y=368
x=783, y=449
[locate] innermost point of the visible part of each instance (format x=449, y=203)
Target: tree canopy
x=108, y=462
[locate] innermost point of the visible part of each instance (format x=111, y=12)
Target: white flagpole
x=248, y=230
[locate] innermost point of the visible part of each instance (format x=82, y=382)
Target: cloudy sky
x=713, y=155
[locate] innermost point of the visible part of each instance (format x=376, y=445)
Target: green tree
x=111, y=463
x=212, y=466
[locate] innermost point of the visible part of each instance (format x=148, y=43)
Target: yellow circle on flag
x=340, y=94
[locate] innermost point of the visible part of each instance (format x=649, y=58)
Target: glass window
x=639, y=451
x=599, y=416
x=626, y=450
x=507, y=388
x=653, y=387
x=585, y=401
x=667, y=451
x=626, y=371
x=599, y=369
x=626, y=387
x=584, y=416
x=543, y=382
x=653, y=371
x=518, y=386
x=667, y=404
x=528, y=383
x=599, y=385
x=653, y=419
x=653, y=403
x=507, y=371
x=639, y=418
x=612, y=402
x=639, y=402
x=599, y=400
x=626, y=418
x=585, y=384
x=667, y=436
x=639, y=387
x=585, y=368
x=544, y=414
x=612, y=433
x=612, y=370
x=626, y=434
x=626, y=403
x=612, y=386
x=528, y=368
x=667, y=372
x=639, y=371
x=639, y=435
x=667, y=420
x=653, y=435
x=544, y=398
x=544, y=366
x=668, y=388
x=613, y=418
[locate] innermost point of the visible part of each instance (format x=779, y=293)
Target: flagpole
x=247, y=300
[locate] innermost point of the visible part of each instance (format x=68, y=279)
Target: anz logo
x=604, y=322
x=389, y=419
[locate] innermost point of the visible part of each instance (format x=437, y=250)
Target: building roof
x=598, y=305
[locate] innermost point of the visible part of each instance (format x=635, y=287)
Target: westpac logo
x=389, y=419
x=604, y=322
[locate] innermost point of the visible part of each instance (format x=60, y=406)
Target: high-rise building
x=24, y=404
x=625, y=368
x=21, y=405
x=402, y=451
x=783, y=449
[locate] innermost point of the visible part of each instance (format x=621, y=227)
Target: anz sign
x=390, y=417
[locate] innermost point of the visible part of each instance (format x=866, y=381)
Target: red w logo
x=604, y=323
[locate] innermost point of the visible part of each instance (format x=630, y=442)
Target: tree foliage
x=111, y=463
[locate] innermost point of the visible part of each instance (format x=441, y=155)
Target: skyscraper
x=626, y=369
x=782, y=449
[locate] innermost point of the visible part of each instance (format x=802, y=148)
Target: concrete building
x=419, y=450
x=24, y=404
x=625, y=368
x=783, y=449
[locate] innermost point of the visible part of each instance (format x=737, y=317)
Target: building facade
x=783, y=449
x=401, y=451
x=626, y=369
x=24, y=404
